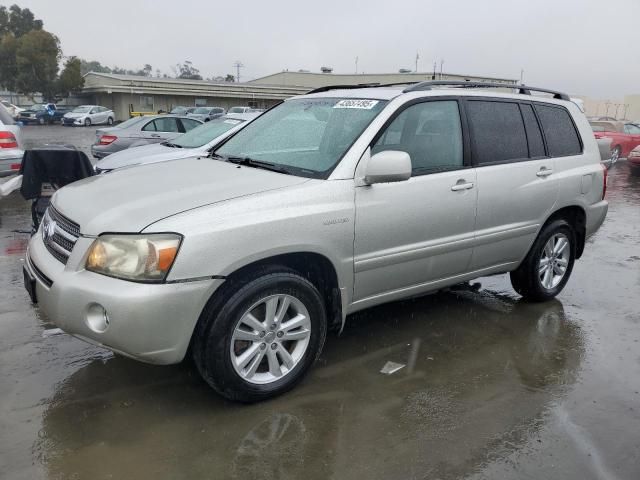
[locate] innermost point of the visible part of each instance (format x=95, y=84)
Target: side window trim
x=145, y=129
x=539, y=123
x=466, y=163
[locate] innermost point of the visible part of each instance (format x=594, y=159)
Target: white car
x=88, y=115
x=193, y=143
x=10, y=151
x=14, y=110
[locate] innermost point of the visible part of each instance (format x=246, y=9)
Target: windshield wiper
x=172, y=145
x=250, y=162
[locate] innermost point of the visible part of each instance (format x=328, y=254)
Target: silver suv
x=329, y=203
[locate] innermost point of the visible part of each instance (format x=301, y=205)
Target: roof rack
x=522, y=89
x=358, y=85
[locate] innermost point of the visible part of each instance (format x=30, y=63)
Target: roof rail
x=523, y=89
x=358, y=85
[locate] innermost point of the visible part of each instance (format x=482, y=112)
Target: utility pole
x=238, y=66
x=441, y=64
x=434, y=69
x=417, y=58
x=522, y=76
x=356, y=65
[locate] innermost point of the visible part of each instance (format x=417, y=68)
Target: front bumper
x=149, y=322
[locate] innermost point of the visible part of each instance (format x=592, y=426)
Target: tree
x=187, y=70
x=37, y=57
x=87, y=66
x=229, y=78
x=71, y=79
x=17, y=21
x=9, y=70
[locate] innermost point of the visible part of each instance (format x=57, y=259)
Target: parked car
x=43, y=113
x=13, y=110
x=139, y=131
x=10, y=144
x=240, y=109
x=206, y=113
x=195, y=142
x=634, y=160
x=624, y=137
x=88, y=115
x=327, y=204
x=181, y=110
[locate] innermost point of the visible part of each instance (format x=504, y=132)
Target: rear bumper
x=152, y=323
x=7, y=160
x=101, y=151
x=596, y=214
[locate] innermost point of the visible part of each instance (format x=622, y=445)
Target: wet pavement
x=492, y=388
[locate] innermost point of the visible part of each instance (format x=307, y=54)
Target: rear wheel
x=110, y=121
x=260, y=339
x=41, y=121
x=548, y=265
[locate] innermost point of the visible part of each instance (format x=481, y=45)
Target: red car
x=634, y=160
x=625, y=137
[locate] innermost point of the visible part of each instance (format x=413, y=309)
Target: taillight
x=8, y=140
x=604, y=180
x=107, y=139
x=15, y=166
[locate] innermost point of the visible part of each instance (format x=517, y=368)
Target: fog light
x=97, y=318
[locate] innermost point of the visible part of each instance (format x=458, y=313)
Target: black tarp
x=55, y=165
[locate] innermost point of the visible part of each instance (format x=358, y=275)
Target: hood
x=130, y=199
x=143, y=154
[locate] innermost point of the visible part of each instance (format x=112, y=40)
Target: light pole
x=238, y=66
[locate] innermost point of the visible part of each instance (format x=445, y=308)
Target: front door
x=411, y=234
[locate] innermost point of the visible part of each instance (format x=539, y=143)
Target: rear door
x=517, y=188
x=633, y=132
x=161, y=129
x=411, y=234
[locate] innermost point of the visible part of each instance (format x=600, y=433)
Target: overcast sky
x=585, y=47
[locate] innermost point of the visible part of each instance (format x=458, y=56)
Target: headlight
x=140, y=258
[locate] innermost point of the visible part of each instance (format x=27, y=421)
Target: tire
x=615, y=154
x=529, y=280
x=87, y=122
x=110, y=121
x=41, y=121
x=218, y=352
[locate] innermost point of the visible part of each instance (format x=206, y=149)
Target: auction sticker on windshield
x=362, y=104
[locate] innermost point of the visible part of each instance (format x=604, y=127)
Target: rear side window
x=534, y=135
x=559, y=131
x=497, y=130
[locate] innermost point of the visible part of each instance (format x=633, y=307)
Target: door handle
x=155, y=135
x=544, y=172
x=462, y=185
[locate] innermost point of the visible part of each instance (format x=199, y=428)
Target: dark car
x=43, y=113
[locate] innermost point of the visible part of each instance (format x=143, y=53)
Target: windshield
x=179, y=110
x=307, y=136
x=38, y=106
x=82, y=109
x=201, y=110
x=237, y=110
x=130, y=122
x=203, y=134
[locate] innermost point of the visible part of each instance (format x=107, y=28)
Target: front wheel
x=615, y=154
x=41, y=121
x=110, y=121
x=548, y=265
x=260, y=339
x=87, y=122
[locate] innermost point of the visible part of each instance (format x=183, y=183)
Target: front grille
x=59, y=234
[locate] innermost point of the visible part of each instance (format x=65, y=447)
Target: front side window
x=306, y=136
x=562, y=138
x=201, y=110
x=205, y=133
x=430, y=133
x=81, y=109
x=497, y=132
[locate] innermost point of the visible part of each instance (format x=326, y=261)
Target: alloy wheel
x=270, y=339
x=554, y=261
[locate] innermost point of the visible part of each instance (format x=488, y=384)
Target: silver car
x=206, y=113
x=139, y=131
x=87, y=115
x=198, y=141
x=327, y=204
x=10, y=144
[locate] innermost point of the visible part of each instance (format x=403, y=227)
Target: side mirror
x=388, y=166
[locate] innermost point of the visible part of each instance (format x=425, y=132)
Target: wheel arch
x=577, y=218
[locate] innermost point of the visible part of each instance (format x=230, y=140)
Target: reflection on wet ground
x=492, y=388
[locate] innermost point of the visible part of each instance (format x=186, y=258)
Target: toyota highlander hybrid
x=327, y=204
